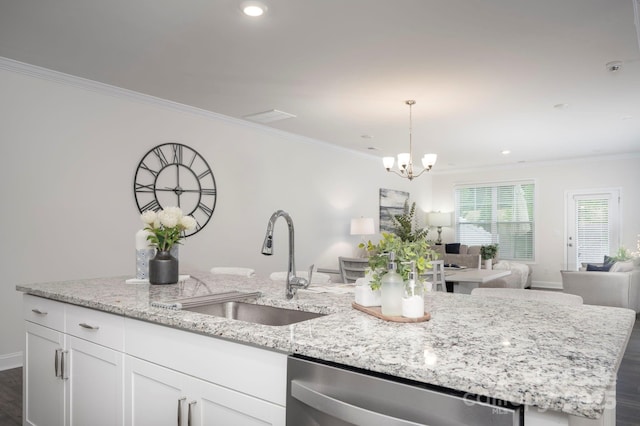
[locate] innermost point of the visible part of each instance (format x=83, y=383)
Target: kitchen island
x=559, y=361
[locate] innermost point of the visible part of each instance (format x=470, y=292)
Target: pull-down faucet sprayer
x=293, y=282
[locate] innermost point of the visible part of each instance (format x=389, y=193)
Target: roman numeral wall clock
x=172, y=174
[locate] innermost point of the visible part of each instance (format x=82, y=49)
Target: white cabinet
x=94, y=387
x=159, y=396
x=154, y=395
x=88, y=367
x=43, y=388
x=72, y=381
x=205, y=381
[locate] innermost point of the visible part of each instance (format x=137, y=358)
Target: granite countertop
x=551, y=356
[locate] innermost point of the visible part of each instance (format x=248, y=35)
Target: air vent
x=269, y=116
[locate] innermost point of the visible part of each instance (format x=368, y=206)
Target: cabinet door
x=94, y=385
x=218, y=405
x=153, y=394
x=44, y=391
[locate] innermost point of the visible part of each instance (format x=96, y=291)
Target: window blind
x=592, y=229
x=501, y=213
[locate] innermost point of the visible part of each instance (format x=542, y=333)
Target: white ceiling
x=485, y=74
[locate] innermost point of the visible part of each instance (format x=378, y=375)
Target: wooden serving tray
x=376, y=311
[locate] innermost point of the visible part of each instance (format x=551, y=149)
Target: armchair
x=621, y=289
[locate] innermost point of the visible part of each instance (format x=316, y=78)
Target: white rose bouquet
x=166, y=227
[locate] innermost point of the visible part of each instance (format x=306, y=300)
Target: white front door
x=592, y=226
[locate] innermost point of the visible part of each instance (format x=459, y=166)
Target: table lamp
x=363, y=226
x=439, y=220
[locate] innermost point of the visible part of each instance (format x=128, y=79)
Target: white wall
x=552, y=181
x=66, y=184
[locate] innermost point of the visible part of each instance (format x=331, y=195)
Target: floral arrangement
x=405, y=252
x=166, y=226
x=624, y=254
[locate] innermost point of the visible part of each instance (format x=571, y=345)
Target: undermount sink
x=250, y=312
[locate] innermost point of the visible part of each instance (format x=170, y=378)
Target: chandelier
x=405, y=159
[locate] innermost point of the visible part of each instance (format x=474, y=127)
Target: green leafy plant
x=489, y=251
x=405, y=251
x=406, y=225
x=623, y=254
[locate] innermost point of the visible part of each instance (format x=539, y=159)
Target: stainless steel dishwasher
x=323, y=394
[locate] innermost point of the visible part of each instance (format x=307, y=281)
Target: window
x=500, y=213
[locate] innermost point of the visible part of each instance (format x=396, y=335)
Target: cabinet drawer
x=46, y=312
x=95, y=326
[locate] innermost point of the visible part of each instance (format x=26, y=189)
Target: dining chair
x=436, y=275
x=352, y=268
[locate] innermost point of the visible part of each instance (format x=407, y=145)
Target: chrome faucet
x=293, y=282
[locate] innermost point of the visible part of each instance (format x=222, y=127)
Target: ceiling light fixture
x=614, y=66
x=253, y=8
x=269, y=116
x=405, y=159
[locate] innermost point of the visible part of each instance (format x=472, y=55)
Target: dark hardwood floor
x=11, y=397
x=627, y=389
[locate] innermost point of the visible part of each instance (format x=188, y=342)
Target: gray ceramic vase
x=163, y=268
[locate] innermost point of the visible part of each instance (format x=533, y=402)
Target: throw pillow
x=622, y=267
x=608, y=260
x=452, y=248
x=603, y=268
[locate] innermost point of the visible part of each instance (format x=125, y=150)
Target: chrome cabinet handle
x=192, y=403
x=89, y=327
x=340, y=409
x=55, y=362
x=39, y=312
x=63, y=376
x=180, y=400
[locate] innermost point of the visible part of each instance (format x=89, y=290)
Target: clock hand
x=166, y=188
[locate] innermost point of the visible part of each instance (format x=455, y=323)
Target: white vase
x=488, y=264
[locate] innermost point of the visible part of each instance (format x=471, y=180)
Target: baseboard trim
x=550, y=285
x=9, y=361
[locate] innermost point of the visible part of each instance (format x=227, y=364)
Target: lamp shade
x=404, y=159
x=439, y=219
x=429, y=160
x=388, y=162
x=362, y=226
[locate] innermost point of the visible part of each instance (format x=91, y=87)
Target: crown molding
x=636, y=19
x=598, y=158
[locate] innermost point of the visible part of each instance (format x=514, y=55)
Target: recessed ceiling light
x=561, y=106
x=506, y=152
x=253, y=8
x=365, y=136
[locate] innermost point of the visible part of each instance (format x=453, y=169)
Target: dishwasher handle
x=305, y=393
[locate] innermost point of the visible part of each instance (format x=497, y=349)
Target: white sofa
x=620, y=289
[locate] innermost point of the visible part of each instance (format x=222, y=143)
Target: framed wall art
x=391, y=203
